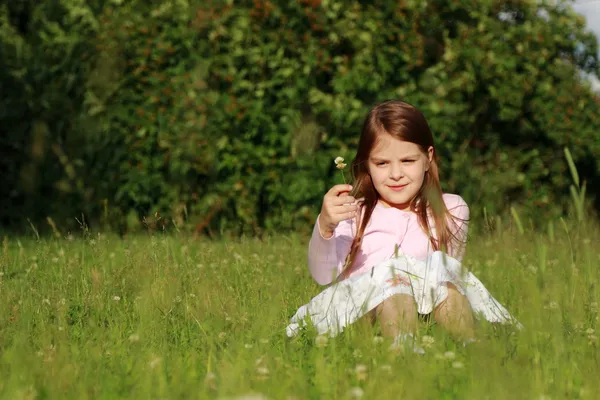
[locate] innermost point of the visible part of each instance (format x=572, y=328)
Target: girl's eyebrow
x=412, y=156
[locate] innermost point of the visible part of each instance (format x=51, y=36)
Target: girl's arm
x=459, y=226
x=326, y=256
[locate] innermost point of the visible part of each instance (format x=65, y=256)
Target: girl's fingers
x=339, y=189
x=342, y=210
x=349, y=215
x=338, y=201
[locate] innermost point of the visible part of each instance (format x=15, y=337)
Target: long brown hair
x=402, y=121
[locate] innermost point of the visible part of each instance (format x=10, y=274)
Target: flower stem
x=343, y=176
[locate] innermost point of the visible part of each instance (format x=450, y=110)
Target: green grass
x=168, y=316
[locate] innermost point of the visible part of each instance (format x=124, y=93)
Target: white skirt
x=345, y=302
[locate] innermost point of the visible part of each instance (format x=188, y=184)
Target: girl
x=396, y=251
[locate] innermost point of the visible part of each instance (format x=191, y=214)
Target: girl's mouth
x=397, y=188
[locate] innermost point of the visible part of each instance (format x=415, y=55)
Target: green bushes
x=228, y=117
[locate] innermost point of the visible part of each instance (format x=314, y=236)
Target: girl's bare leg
x=396, y=314
x=455, y=315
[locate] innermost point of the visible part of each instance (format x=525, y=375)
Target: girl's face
x=397, y=169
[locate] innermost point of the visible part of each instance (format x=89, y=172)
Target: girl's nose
x=396, y=172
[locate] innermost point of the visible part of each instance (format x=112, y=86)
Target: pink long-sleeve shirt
x=387, y=228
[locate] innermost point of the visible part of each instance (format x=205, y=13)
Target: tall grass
x=169, y=316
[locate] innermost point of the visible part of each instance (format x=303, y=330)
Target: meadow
x=169, y=316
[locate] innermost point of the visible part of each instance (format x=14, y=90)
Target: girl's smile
x=397, y=188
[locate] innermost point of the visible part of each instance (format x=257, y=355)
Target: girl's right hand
x=337, y=207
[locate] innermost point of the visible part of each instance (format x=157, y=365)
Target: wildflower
x=264, y=341
x=154, y=362
x=339, y=164
x=386, y=368
x=46, y=301
x=357, y=353
x=54, y=260
x=457, y=365
x=449, y=355
x=321, y=341
x=248, y=345
x=262, y=371
x=590, y=331
x=209, y=380
x=377, y=339
x=356, y=393
x=116, y=298
x=361, y=372
x=427, y=341
x=134, y=337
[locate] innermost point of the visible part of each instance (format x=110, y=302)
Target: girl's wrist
x=325, y=228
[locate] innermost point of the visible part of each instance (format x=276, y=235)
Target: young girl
x=396, y=251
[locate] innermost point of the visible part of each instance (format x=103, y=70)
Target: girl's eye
x=380, y=163
x=409, y=161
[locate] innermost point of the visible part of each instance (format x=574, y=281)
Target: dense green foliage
x=227, y=118
x=169, y=316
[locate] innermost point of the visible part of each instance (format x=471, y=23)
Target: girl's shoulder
x=456, y=205
x=453, y=200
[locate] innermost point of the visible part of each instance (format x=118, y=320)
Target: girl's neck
x=401, y=207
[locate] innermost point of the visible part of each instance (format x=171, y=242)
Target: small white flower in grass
x=357, y=353
x=590, y=331
x=338, y=160
x=55, y=260
x=356, y=393
x=116, y=298
x=248, y=345
x=134, y=337
x=61, y=252
x=210, y=379
x=46, y=301
x=251, y=396
x=594, y=306
x=427, y=341
x=321, y=341
x=222, y=335
x=361, y=372
x=386, y=368
x=111, y=255
x=593, y=339
x=264, y=341
x=449, y=355
x=457, y=365
x=263, y=371
x=155, y=362
x=377, y=340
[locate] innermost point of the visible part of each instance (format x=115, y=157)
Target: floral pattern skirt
x=344, y=302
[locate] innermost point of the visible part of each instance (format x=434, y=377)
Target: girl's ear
x=430, y=152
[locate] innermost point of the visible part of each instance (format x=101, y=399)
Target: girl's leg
x=397, y=314
x=455, y=314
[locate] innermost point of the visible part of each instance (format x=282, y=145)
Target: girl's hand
x=337, y=207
